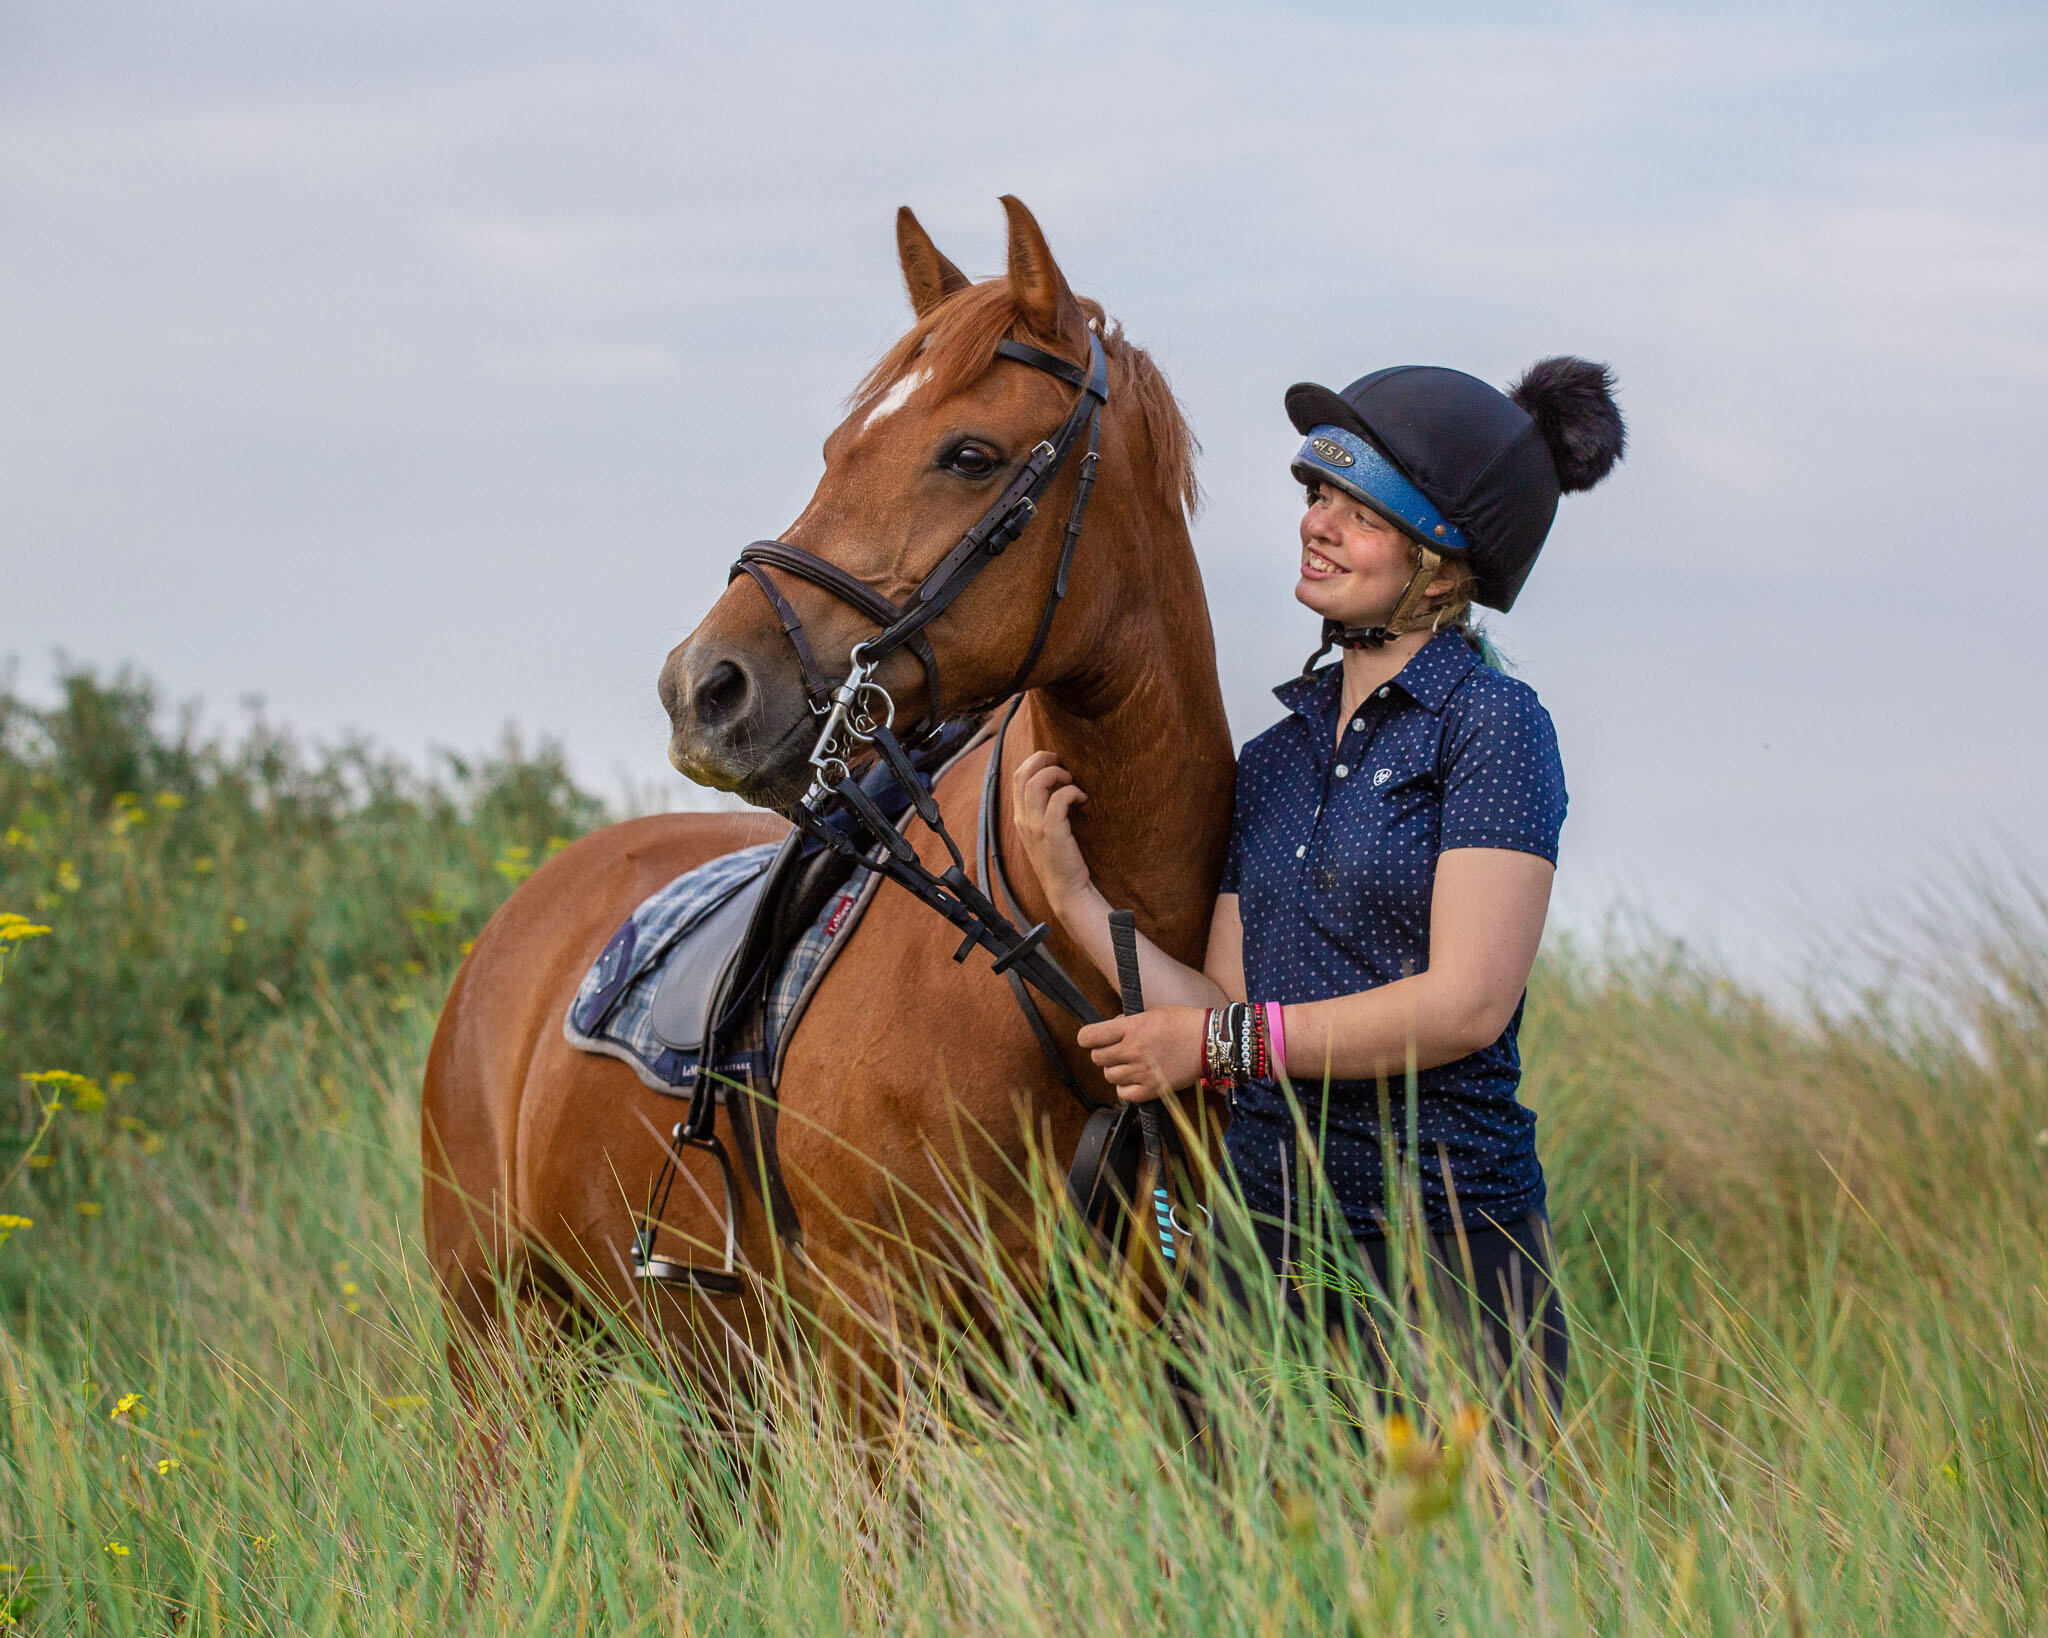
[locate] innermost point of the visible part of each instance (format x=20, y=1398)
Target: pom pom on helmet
x=1571, y=400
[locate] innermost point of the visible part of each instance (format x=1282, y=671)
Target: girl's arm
x=1046, y=795
x=1486, y=919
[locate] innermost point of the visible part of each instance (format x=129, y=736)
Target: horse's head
x=936, y=433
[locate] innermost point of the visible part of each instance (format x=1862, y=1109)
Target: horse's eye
x=972, y=461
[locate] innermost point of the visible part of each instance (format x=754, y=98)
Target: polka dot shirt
x=1333, y=851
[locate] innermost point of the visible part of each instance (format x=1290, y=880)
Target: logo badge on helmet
x=1328, y=449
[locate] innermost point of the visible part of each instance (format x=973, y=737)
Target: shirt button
x=1358, y=725
x=1302, y=851
x=1342, y=771
x=1383, y=693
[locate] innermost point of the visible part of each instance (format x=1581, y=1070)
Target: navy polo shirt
x=1333, y=851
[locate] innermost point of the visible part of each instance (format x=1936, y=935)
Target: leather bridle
x=859, y=714
x=985, y=541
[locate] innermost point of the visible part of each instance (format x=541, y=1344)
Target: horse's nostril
x=720, y=694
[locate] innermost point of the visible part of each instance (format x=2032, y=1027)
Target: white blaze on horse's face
x=904, y=389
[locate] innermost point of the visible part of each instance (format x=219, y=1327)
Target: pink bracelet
x=1276, y=1038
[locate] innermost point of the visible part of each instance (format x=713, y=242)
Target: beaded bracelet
x=1237, y=1044
x=1276, y=1038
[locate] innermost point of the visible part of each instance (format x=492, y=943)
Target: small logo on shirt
x=1332, y=451
x=1381, y=776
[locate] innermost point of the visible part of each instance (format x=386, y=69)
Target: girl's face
x=1354, y=564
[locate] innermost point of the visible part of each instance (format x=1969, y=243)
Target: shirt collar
x=1428, y=678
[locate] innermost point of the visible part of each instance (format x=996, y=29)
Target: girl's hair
x=1449, y=609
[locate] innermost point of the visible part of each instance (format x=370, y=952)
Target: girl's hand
x=1143, y=1054
x=1045, y=796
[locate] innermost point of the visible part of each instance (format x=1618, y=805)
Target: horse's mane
x=955, y=343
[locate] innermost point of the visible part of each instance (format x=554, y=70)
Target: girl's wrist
x=1081, y=906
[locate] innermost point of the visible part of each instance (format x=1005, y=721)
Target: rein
x=859, y=711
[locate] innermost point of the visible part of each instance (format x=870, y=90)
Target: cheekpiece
x=1334, y=455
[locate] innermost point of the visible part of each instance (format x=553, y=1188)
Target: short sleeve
x=1233, y=860
x=1503, y=778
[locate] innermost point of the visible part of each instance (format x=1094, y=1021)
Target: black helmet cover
x=1462, y=468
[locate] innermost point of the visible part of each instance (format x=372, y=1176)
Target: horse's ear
x=930, y=277
x=1035, y=278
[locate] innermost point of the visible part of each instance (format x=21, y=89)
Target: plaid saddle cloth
x=615, y=1010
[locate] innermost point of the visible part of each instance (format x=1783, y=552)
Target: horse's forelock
x=955, y=343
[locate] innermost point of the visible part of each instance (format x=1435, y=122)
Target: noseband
x=987, y=540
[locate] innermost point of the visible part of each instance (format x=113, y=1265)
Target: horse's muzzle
x=736, y=724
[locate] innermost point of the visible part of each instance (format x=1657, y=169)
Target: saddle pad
x=613, y=1012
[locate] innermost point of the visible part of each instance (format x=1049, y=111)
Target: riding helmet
x=1462, y=468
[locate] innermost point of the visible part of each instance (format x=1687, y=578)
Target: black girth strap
x=985, y=541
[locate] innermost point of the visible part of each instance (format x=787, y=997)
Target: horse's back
x=507, y=1003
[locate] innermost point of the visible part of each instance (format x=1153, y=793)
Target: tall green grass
x=1804, y=1258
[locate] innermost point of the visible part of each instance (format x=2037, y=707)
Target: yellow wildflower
x=129, y=1404
x=514, y=864
x=117, y=1549
x=14, y=928
x=170, y=801
x=202, y=867
x=68, y=878
x=10, y=1222
x=41, y=1163
x=237, y=925
x=87, y=1208
x=168, y=1466
x=63, y=1079
x=119, y=1079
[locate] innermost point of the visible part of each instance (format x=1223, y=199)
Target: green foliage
x=1803, y=1258
x=200, y=886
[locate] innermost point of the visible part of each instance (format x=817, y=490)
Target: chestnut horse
x=908, y=1072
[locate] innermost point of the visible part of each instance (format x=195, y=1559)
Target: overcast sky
x=421, y=366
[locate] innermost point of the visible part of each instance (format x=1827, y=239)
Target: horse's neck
x=1144, y=734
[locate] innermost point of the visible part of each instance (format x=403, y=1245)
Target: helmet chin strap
x=1338, y=635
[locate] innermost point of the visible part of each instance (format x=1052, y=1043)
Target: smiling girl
x=1392, y=848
